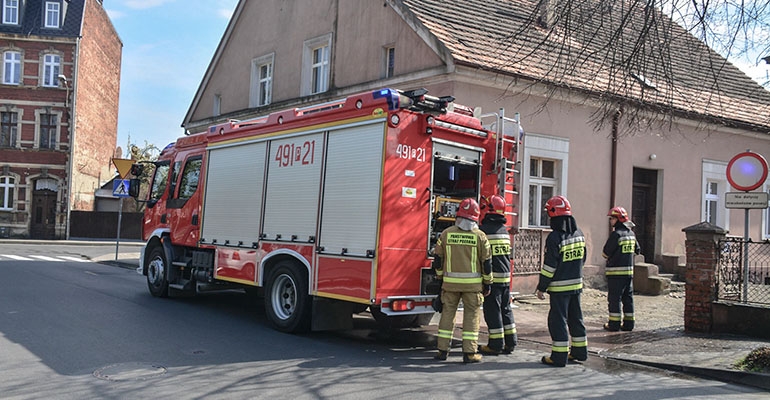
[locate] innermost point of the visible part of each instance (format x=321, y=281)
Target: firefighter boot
x=508, y=349
x=488, y=351
x=441, y=356
x=469, y=358
x=612, y=326
x=548, y=361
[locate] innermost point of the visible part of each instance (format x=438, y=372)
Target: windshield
x=159, y=181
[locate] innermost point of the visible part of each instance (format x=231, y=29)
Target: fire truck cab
x=326, y=210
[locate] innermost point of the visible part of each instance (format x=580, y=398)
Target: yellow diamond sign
x=123, y=165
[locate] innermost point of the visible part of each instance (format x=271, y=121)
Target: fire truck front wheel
x=156, y=272
x=287, y=303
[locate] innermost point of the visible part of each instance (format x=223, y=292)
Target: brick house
x=276, y=55
x=60, y=80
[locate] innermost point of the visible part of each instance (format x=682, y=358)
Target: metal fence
x=743, y=271
x=528, y=251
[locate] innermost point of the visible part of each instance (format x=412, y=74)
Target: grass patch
x=758, y=360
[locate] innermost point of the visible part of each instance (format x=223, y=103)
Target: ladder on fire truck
x=508, y=175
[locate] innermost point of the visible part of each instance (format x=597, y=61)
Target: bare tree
x=145, y=154
x=648, y=61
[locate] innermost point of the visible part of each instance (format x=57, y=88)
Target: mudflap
x=330, y=314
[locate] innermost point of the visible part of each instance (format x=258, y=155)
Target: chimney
x=547, y=13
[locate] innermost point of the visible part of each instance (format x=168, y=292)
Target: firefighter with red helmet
x=462, y=260
x=619, y=251
x=562, y=277
x=497, y=306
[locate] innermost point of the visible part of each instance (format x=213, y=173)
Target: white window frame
x=261, y=93
x=14, y=64
x=51, y=69
x=52, y=17
x=316, y=76
x=766, y=216
x=11, y=12
x=7, y=204
x=543, y=147
x=389, y=61
x=715, y=171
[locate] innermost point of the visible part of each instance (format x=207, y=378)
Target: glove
x=487, y=290
x=437, y=304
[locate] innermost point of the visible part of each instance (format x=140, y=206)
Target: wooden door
x=644, y=210
x=43, y=215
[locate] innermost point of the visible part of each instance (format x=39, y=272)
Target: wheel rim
x=284, y=296
x=156, y=271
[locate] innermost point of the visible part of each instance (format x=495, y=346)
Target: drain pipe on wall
x=614, y=167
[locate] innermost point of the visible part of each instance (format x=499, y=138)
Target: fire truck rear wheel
x=287, y=303
x=156, y=272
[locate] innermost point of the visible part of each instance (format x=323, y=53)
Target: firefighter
x=562, y=277
x=462, y=261
x=619, y=251
x=497, y=306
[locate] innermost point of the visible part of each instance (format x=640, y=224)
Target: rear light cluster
x=402, y=305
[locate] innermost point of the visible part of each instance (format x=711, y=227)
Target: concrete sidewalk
x=673, y=349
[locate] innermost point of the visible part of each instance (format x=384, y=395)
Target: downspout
x=614, y=152
x=73, y=125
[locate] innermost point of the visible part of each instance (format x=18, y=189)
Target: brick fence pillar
x=702, y=249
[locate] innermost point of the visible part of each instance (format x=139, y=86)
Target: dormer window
x=11, y=12
x=52, y=14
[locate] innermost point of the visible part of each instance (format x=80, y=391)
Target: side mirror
x=137, y=170
x=134, y=185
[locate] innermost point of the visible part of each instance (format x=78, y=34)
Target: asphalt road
x=84, y=330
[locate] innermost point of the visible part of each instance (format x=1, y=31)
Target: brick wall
x=98, y=90
x=700, y=275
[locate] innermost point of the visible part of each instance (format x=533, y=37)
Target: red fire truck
x=325, y=210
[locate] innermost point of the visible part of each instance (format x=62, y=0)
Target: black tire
x=287, y=303
x=157, y=272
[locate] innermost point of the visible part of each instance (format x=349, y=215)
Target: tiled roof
x=676, y=70
x=31, y=18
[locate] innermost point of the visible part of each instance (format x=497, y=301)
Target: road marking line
x=78, y=259
x=46, y=258
x=13, y=257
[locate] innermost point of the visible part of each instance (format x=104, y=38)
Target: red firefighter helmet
x=496, y=205
x=558, y=206
x=469, y=209
x=619, y=213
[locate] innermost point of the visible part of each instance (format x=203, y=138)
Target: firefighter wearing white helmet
x=562, y=277
x=497, y=306
x=462, y=260
x=619, y=251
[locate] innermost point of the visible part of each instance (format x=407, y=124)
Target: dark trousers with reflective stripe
x=565, y=319
x=499, y=318
x=620, y=290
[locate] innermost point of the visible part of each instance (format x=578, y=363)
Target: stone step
x=648, y=281
x=674, y=284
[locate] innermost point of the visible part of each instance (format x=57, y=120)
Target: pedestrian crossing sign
x=120, y=187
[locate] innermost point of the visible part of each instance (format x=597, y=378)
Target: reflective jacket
x=562, y=271
x=619, y=250
x=463, y=255
x=500, y=242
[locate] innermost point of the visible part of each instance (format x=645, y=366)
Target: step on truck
x=327, y=210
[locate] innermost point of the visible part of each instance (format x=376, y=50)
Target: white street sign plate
x=746, y=200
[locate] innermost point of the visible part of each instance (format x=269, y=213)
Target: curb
x=745, y=378
x=119, y=264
